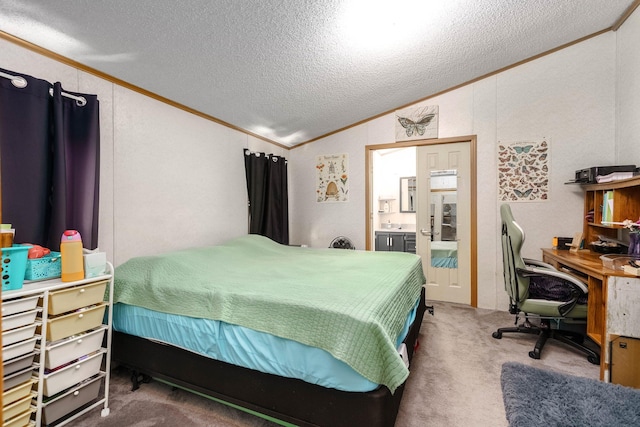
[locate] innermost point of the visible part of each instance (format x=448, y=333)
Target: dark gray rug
x=535, y=397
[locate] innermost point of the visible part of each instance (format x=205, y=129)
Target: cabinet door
x=396, y=242
x=382, y=241
x=410, y=243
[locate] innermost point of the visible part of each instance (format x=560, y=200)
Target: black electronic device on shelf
x=588, y=175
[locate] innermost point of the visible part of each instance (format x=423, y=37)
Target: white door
x=443, y=220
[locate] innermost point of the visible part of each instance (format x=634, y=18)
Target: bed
x=311, y=337
x=444, y=254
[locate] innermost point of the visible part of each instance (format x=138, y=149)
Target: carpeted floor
x=454, y=381
x=541, y=398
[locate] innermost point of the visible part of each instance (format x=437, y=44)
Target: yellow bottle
x=71, y=254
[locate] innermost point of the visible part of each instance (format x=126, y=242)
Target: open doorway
x=378, y=216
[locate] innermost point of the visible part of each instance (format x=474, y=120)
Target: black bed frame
x=286, y=399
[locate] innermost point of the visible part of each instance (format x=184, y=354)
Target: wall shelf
x=608, y=226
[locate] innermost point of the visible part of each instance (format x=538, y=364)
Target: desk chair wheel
x=497, y=335
x=593, y=359
x=534, y=354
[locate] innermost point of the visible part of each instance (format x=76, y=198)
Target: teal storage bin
x=14, y=263
x=47, y=267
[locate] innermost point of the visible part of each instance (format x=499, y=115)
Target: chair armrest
x=536, y=263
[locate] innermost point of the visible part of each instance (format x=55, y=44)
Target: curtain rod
x=80, y=100
x=274, y=157
x=17, y=81
x=21, y=82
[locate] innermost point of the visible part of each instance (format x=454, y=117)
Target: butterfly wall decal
x=418, y=127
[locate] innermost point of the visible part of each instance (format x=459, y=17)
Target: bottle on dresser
x=71, y=253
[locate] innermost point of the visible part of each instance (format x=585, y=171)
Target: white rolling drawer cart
x=59, y=338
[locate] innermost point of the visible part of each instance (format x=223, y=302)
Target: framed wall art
x=332, y=183
x=417, y=123
x=523, y=171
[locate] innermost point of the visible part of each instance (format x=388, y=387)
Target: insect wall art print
x=417, y=123
x=523, y=171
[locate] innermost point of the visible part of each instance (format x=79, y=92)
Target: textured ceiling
x=293, y=70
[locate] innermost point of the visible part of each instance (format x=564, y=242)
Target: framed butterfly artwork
x=417, y=123
x=523, y=171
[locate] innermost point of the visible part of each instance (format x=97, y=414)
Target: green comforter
x=353, y=304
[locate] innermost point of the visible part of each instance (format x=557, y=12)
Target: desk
x=614, y=299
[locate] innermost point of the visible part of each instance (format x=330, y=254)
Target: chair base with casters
x=544, y=331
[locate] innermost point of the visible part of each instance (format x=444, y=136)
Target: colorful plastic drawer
x=10, y=381
x=18, y=407
x=71, y=400
x=18, y=349
x=68, y=376
x=18, y=363
x=20, y=319
x=22, y=333
x=66, y=325
x=18, y=392
x=21, y=420
x=19, y=305
x=70, y=299
x=64, y=351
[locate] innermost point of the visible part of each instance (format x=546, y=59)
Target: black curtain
x=268, y=195
x=49, y=159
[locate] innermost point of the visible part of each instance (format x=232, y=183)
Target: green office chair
x=556, y=300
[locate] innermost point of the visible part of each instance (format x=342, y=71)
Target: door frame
x=472, y=140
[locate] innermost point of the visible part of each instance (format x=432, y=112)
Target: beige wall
x=628, y=91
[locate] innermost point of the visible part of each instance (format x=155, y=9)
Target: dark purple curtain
x=25, y=156
x=76, y=166
x=268, y=195
x=49, y=153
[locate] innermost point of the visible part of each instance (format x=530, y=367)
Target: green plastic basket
x=14, y=264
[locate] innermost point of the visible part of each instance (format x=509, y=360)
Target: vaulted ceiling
x=291, y=71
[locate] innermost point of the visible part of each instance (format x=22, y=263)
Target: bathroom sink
x=409, y=228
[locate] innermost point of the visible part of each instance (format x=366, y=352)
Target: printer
x=588, y=175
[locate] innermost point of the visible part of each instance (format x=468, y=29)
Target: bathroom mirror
x=408, y=194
